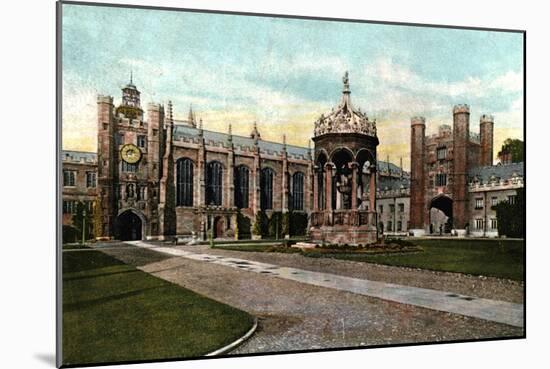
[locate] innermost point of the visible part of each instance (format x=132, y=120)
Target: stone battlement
x=418, y=120
x=104, y=99
x=486, y=118
x=461, y=108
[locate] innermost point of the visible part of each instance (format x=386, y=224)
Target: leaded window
x=266, y=188
x=69, y=178
x=214, y=183
x=479, y=203
x=441, y=179
x=184, y=182
x=441, y=153
x=129, y=168
x=298, y=191
x=90, y=179
x=241, y=179
x=142, y=141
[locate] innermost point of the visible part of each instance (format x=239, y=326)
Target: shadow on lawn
x=75, y=306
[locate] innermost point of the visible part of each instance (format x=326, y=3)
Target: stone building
x=154, y=176
x=444, y=167
x=159, y=176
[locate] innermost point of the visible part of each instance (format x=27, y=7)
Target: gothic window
x=129, y=168
x=266, y=187
x=493, y=223
x=389, y=226
x=399, y=226
x=69, y=178
x=512, y=199
x=241, y=179
x=381, y=209
x=90, y=179
x=184, y=182
x=494, y=201
x=298, y=191
x=392, y=208
x=214, y=183
x=401, y=208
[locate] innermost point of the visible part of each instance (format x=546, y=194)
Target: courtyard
x=297, y=313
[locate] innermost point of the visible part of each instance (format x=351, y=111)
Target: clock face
x=130, y=153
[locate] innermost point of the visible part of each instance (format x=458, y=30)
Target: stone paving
x=297, y=311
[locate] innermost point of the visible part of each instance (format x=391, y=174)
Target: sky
x=284, y=73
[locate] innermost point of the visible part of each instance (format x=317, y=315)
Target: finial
x=346, y=82
x=131, y=77
x=191, y=116
x=229, y=130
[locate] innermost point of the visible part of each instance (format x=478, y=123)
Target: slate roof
x=501, y=171
x=266, y=147
x=79, y=156
x=385, y=183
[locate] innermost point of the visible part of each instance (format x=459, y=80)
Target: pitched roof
x=501, y=171
x=79, y=156
x=266, y=147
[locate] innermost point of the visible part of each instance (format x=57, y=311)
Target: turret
x=486, y=124
x=418, y=136
x=106, y=162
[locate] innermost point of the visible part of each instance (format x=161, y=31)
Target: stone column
x=315, y=189
x=328, y=186
x=354, y=166
x=372, y=190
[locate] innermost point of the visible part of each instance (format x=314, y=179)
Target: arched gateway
x=441, y=214
x=129, y=226
x=344, y=207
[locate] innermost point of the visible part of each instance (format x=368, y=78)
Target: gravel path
x=296, y=316
x=479, y=286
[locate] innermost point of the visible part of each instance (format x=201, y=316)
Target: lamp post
x=83, y=225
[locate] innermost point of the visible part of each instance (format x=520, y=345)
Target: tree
x=513, y=147
x=511, y=216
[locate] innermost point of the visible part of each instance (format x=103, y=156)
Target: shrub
x=260, y=224
x=243, y=226
x=275, y=224
x=297, y=223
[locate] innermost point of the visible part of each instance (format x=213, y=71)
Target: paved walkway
x=486, y=309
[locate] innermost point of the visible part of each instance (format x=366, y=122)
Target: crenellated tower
x=418, y=150
x=461, y=138
x=486, y=125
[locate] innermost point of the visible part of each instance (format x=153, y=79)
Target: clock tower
x=129, y=165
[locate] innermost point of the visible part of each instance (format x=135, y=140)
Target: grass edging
x=237, y=342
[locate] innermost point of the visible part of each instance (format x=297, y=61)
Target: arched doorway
x=218, y=227
x=441, y=215
x=129, y=226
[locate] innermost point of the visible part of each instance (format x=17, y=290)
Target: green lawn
x=496, y=258
x=114, y=312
